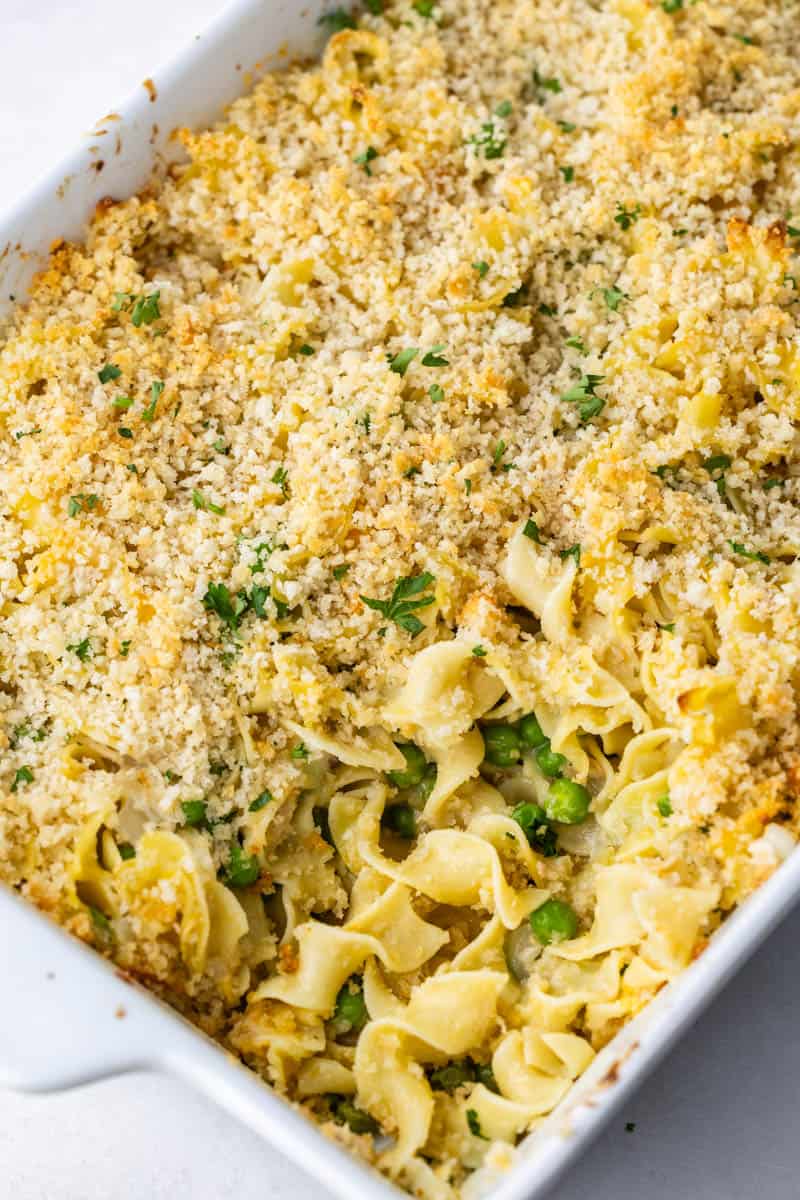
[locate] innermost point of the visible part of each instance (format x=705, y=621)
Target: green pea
x=531, y=732
x=241, y=870
x=194, y=813
x=427, y=783
x=350, y=1007
x=528, y=817
x=567, y=802
x=416, y=764
x=359, y=1121
x=448, y=1078
x=501, y=744
x=401, y=819
x=548, y=762
x=553, y=921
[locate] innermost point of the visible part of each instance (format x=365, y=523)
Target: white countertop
x=719, y=1121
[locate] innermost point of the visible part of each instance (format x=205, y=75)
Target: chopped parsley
x=546, y=311
x=577, y=343
x=144, y=308
x=531, y=530
x=365, y=158
x=124, y=647
x=400, y=362
x=281, y=477
x=474, y=1125
x=672, y=6
x=300, y=751
x=612, y=296
x=664, y=806
x=21, y=775
x=503, y=109
x=156, y=388
x=566, y=126
x=572, y=552
x=424, y=8
x=625, y=217
x=568, y=173
x=23, y=433
x=230, y=609
x=204, y=504
x=436, y=393
x=306, y=350
x=481, y=267
x=433, y=358
x=126, y=851
x=123, y=403
x=479, y=652
x=108, y=372
x=82, y=503
x=488, y=141
x=773, y=482
x=340, y=571
x=546, y=85
x=584, y=395
x=83, y=649
x=404, y=601
x=124, y=432
x=716, y=466
x=755, y=555
x=261, y=801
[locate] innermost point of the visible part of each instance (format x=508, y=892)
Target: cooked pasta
x=399, y=614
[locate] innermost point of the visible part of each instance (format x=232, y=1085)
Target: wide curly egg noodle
x=399, y=601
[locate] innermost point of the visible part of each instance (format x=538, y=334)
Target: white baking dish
x=66, y=1016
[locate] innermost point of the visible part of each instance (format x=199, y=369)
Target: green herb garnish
x=404, y=602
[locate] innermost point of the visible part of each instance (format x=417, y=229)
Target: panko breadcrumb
x=487, y=268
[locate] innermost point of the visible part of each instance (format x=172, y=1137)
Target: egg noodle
x=399, y=599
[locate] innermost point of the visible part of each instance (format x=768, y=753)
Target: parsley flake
x=755, y=555
x=156, y=388
x=404, y=601
x=399, y=363
x=21, y=775
x=488, y=141
x=568, y=173
x=474, y=1124
x=365, y=158
x=82, y=503
x=573, y=552
x=434, y=358
x=584, y=395
x=547, y=85
x=481, y=267
x=261, y=801
x=108, y=372
x=436, y=393
x=83, y=649
x=204, y=504
x=479, y=652
x=626, y=217
x=531, y=530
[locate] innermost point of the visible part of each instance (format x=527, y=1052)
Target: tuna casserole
x=398, y=602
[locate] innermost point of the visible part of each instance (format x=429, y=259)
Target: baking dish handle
x=66, y=1018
